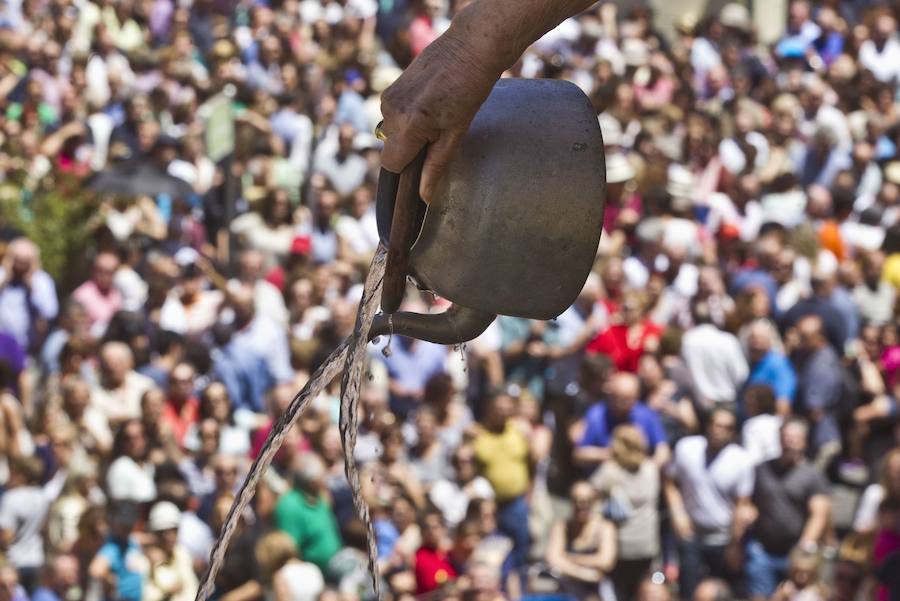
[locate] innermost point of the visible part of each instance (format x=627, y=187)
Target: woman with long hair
x=887, y=487
x=630, y=486
x=582, y=549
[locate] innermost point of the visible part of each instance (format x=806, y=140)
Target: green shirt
x=313, y=527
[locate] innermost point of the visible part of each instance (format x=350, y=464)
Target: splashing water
x=348, y=357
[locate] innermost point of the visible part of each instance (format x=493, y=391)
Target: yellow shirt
x=890, y=272
x=503, y=461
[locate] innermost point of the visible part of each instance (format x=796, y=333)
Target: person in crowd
x=304, y=513
x=886, y=487
x=182, y=407
x=761, y=431
x=23, y=509
x=583, y=549
x=629, y=484
x=130, y=476
x=769, y=366
x=622, y=407
x=708, y=489
x=59, y=581
x=286, y=576
x=171, y=574
x=503, y=457
x=119, y=388
x=100, y=298
x=28, y=300
x=820, y=384
x=453, y=495
x=120, y=568
x=793, y=506
x=433, y=568
x=714, y=358
x=712, y=589
x=803, y=581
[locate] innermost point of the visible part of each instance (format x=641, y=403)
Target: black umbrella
x=139, y=179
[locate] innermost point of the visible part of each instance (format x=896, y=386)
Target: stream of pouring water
x=349, y=357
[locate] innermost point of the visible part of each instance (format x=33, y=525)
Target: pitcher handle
x=405, y=192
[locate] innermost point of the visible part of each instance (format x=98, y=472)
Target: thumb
x=440, y=153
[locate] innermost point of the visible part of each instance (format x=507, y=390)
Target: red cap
x=301, y=245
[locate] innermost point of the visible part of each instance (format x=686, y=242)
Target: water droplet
x=386, y=351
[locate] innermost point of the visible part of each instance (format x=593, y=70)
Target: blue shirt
x=245, y=375
x=601, y=423
x=125, y=562
x=775, y=370
x=19, y=309
x=820, y=388
x=412, y=362
x=45, y=594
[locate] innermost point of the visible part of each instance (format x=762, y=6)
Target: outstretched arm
x=436, y=98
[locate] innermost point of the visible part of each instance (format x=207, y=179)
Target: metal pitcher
x=515, y=221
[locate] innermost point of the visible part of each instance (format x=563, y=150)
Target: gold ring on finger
x=379, y=131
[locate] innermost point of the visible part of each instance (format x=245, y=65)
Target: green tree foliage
x=59, y=217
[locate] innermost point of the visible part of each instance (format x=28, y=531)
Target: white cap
x=164, y=516
x=618, y=169
x=735, y=15
x=680, y=181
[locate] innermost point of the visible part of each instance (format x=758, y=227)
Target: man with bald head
x=119, y=390
x=620, y=407
x=99, y=297
x=820, y=384
x=712, y=589
x=61, y=579
x=28, y=299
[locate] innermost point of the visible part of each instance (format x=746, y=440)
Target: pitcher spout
x=457, y=325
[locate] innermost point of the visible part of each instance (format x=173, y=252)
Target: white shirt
x=715, y=361
x=884, y=65
x=128, y=480
x=453, y=501
x=267, y=300
x=867, y=513
x=123, y=402
x=361, y=234
x=199, y=316
x=761, y=437
x=710, y=493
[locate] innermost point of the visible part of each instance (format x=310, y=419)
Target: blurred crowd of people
x=715, y=416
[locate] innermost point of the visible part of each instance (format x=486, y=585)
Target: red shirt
x=614, y=342
x=421, y=33
x=433, y=569
x=181, y=420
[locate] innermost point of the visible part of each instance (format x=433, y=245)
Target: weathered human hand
x=433, y=103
